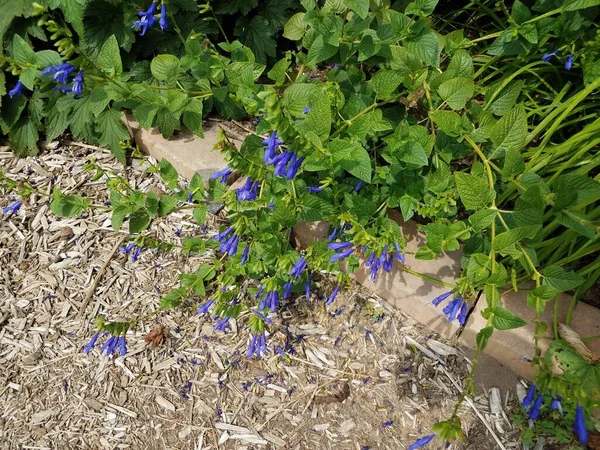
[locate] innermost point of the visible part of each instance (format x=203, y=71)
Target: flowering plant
x=480, y=138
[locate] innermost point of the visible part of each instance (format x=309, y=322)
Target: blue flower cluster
x=131, y=249
x=568, y=64
x=112, y=344
x=222, y=324
x=286, y=163
x=269, y=300
x=229, y=244
x=249, y=191
x=258, y=345
x=60, y=74
x=148, y=18
x=421, y=442
x=384, y=261
x=456, y=309
x=13, y=209
x=205, y=307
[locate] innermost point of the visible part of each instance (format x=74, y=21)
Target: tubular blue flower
x=293, y=167
x=529, y=397
x=127, y=249
x=223, y=235
x=122, y=344
x=341, y=255
x=359, y=185
x=136, y=253
x=398, y=254
x=78, y=84
x=371, y=259
x=272, y=143
x=462, y=316
x=90, y=345
x=556, y=405
x=205, y=307
x=112, y=344
x=534, y=412
x=306, y=110
x=333, y=295
x=190, y=197
x=281, y=161
x=178, y=232
x=313, y=189
x=258, y=345
x=262, y=316
x=60, y=72
x=339, y=245
x=298, y=268
x=13, y=209
x=388, y=263
x=287, y=289
x=579, y=427
x=569, y=63
x=307, y=287
x=230, y=245
x=247, y=192
x=163, y=17
x=333, y=234
x=147, y=19
x=421, y=442
x=245, y=255
x=17, y=90
x=222, y=324
x=376, y=264
x=223, y=174
x=270, y=300
x=548, y=56
x=453, y=308
x=387, y=423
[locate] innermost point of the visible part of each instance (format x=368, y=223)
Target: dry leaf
x=155, y=336
x=338, y=397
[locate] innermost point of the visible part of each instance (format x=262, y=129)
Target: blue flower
x=548, y=56
x=230, y=245
x=534, y=412
x=287, y=289
x=307, y=287
x=12, y=209
x=313, y=189
x=90, y=345
x=462, y=316
x=60, y=71
x=398, y=254
x=293, y=167
x=306, y=109
x=333, y=295
x=222, y=324
x=333, y=234
x=272, y=143
x=127, y=249
x=17, y=90
x=579, y=427
x=529, y=397
x=359, y=185
x=270, y=300
x=147, y=19
x=136, y=253
x=163, y=17
x=569, y=63
x=245, y=255
x=421, y=442
x=178, y=232
x=341, y=255
x=113, y=344
x=387, y=423
x=123, y=345
x=298, y=268
x=204, y=307
x=78, y=83
x=339, y=245
x=453, y=309
x=223, y=174
x=258, y=345
x=223, y=235
x=262, y=316
x=247, y=192
x=556, y=405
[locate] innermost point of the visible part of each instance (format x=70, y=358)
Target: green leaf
x=474, y=192
x=73, y=11
x=112, y=132
x=10, y=10
x=56, y=123
x=421, y=7
x=358, y=163
x=165, y=67
x=501, y=102
x=295, y=28
x=109, y=58
x=575, y=5
x=360, y=7
x=279, y=70
x=575, y=366
x=194, y=244
x=540, y=296
x=168, y=173
x=166, y=205
x=367, y=47
x=483, y=218
x=426, y=46
x=235, y=6
x=318, y=119
x=448, y=121
x=199, y=214
x=23, y=137
x=503, y=319
x=192, y=116
x=561, y=280
x=384, y=82
x=483, y=336
x=505, y=242
x=145, y=115
x=99, y=100
x=513, y=163
x=457, y=91
x=259, y=37
x=197, y=186
x=47, y=58
x=152, y=204
x=139, y=221
x=315, y=208
x=461, y=65
x=510, y=130
x=68, y=205
x=320, y=51
x=577, y=222
x=297, y=97
x=23, y=53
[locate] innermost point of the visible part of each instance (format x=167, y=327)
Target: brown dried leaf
x=338, y=397
x=155, y=336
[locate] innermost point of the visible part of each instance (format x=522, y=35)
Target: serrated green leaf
x=22, y=51
x=319, y=51
x=297, y=97
x=168, y=173
x=152, y=204
x=456, y=92
x=358, y=163
x=192, y=116
x=112, y=132
x=68, y=205
x=573, y=364
x=557, y=278
x=315, y=208
x=259, y=37
x=540, y=296
x=46, y=58
x=109, y=58
x=483, y=218
x=483, y=336
x=23, y=137
x=199, y=214
x=360, y=7
x=139, y=221
x=368, y=47
x=295, y=28
x=166, y=205
x=511, y=129
x=56, y=123
x=145, y=114
x=99, y=100
x=575, y=5
x=503, y=319
x=165, y=67
x=195, y=244
x=384, y=82
x=279, y=70
x=10, y=10
x=421, y=7
x=425, y=46
x=448, y=121
x=503, y=242
x=474, y=192
x=501, y=102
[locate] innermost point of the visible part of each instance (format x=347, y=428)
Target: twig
x=99, y=274
x=472, y=405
